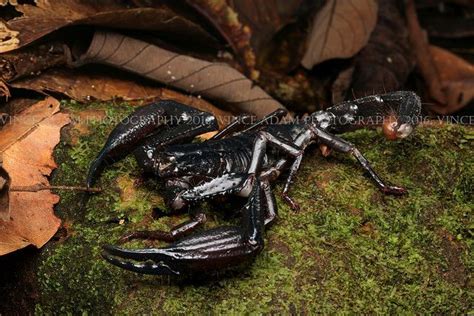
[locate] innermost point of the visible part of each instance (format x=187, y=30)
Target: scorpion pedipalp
x=205, y=251
x=148, y=122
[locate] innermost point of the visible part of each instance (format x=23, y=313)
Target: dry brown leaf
x=84, y=86
x=214, y=81
x=32, y=60
x=26, y=147
x=48, y=16
x=8, y=38
x=340, y=29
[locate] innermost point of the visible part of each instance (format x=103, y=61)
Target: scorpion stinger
x=146, y=121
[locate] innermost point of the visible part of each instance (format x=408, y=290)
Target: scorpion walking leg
x=302, y=141
x=205, y=251
x=174, y=234
x=260, y=146
x=293, y=169
x=272, y=210
x=346, y=147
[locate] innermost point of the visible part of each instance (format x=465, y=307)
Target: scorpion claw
x=147, y=121
x=136, y=260
x=205, y=251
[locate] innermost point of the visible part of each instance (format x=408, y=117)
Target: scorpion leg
x=285, y=193
x=148, y=119
x=213, y=249
x=174, y=234
x=302, y=141
x=346, y=147
x=272, y=210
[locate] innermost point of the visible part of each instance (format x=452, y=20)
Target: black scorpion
x=242, y=159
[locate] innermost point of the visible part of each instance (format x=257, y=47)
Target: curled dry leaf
x=48, y=16
x=26, y=146
x=215, y=81
x=8, y=38
x=340, y=29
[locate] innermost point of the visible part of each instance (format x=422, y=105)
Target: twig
x=39, y=187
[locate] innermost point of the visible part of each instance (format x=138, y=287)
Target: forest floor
x=349, y=249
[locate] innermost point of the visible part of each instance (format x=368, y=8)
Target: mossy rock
x=349, y=249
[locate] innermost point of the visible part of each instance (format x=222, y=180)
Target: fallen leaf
x=48, y=16
x=85, y=86
x=8, y=38
x=26, y=146
x=340, y=29
x=218, y=82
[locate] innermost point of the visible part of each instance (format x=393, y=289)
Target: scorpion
x=242, y=159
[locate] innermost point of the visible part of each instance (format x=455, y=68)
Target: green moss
x=349, y=249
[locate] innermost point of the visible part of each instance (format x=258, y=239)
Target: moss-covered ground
x=349, y=249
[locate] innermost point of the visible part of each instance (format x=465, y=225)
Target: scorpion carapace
x=242, y=159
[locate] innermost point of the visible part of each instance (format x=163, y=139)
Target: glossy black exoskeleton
x=242, y=159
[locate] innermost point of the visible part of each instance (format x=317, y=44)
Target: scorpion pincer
x=242, y=159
